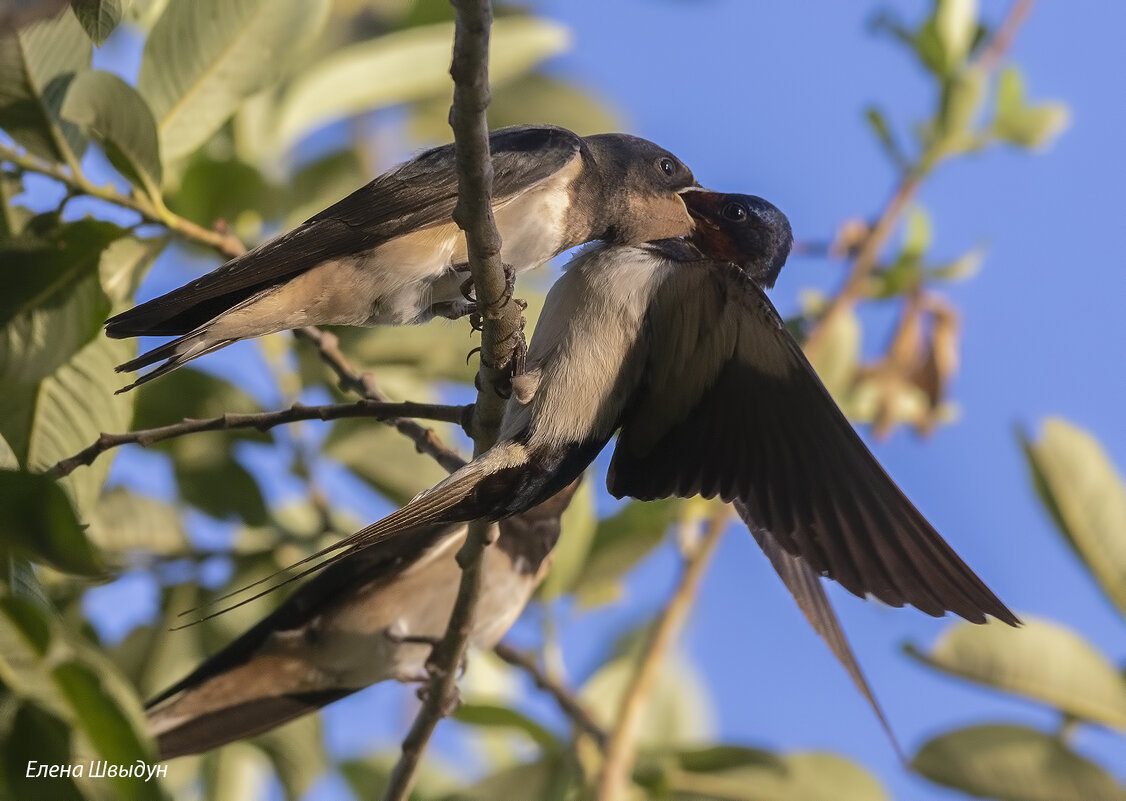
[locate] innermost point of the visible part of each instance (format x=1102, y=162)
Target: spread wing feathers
x=417, y=194
x=805, y=587
x=203, y=732
x=734, y=409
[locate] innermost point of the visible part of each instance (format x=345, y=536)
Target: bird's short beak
x=703, y=204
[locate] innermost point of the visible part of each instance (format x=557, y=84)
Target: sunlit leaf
x=546, y=780
x=36, y=65
x=619, y=543
x=679, y=711
x=125, y=263
x=955, y=23
x=55, y=418
x=204, y=57
x=38, y=522
x=297, y=752
x=1040, y=660
x=98, y=17
x=962, y=98
x=383, y=457
x=877, y=121
x=125, y=521
x=1024, y=124
x=1011, y=763
x=837, y=353
x=401, y=67
x=111, y=112
x=494, y=716
x=1086, y=496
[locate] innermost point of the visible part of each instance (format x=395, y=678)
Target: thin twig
x=263, y=421
x=425, y=439
x=621, y=751
x=501, y=327
x=867, y=258
x=227, y=244
x=568, y=703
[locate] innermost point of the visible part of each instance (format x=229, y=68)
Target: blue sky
x=767, y=98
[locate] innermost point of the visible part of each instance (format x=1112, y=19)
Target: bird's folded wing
x=418, y=194
x=733, y=408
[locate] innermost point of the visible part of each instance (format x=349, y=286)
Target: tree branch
x=867, y=258
x=501, y=330
x=425, y=439
x=621, y=751
x=151, y=211
x=568, y=703
x=263, y=421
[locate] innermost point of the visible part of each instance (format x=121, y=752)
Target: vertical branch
x=621, y=750
x=501, y=328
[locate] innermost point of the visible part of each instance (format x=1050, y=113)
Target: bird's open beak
x=703, y=204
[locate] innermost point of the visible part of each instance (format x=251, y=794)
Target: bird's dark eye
x=667, y=167
x=736, y=212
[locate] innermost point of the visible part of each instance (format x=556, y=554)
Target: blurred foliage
x=1044, y=662
x=216, y=131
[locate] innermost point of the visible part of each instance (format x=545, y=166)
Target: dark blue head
x=743, y=229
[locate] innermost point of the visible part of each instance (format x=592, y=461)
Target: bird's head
x=743, y=229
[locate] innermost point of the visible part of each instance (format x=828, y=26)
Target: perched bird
x=674, y=345
x=390, y=254
x=361, y=621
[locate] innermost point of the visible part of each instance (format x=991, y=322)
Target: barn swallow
x=361, y=621
x=674, y=345
x=390, y=253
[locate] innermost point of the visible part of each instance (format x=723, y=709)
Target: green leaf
x=530, y=97
x=321, y=183
x=401, y=67
x=546, y=779
x=679, y=711
x=297, y=752
x=39, y=736
x=98, y=17
x=1023, y=124
x=211, y=480
x=837, y=356
x=882, y=129
x=619, y=543
x=55, y=305
x=1041, y=660
x=125, y=263
x=112, y=113
x=962, y=99
x=809, y=776
x=383, y=458
x=222, y=189
x=495, y=716
x=43, y=662
x=1086, y=497
x=962, y=268
x=124, y=521
x=579, y=525
x=955, y=25
x=37, y=521
x=203, y=58
x=55, y=418
x=1012, y=763
x=36, y=64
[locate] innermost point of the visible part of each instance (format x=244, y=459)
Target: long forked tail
x=451, y=501
x=175, y=354
x=807, y=590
